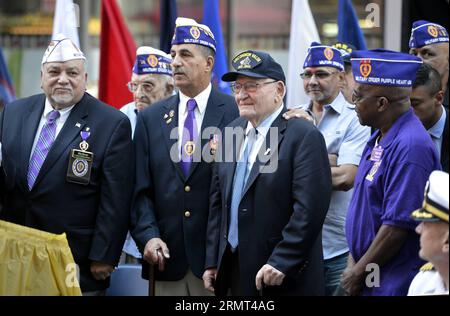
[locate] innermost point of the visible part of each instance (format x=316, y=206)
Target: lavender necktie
x=189, y=137
x=43, y=145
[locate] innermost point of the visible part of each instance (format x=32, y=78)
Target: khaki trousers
x=190, y=285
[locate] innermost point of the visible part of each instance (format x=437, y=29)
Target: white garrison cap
x=61, y=49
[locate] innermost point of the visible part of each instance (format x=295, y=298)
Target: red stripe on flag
x=117, y=54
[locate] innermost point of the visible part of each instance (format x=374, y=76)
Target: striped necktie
x=43, y=145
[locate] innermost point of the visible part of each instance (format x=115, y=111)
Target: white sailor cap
x=435, y=203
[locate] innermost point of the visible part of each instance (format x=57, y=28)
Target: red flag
x=117, y=54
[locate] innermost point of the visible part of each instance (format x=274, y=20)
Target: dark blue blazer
x=94, y=216
x=163, y=194
x=281, y=212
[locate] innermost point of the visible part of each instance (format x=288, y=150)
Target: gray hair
x=207, y=51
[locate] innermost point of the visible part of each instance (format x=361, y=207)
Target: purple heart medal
x=80, y=162
x=84, y=136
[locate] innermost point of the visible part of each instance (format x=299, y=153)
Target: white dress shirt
x=262, y=130
x=63, y=116
x=202, y=101
x=131, y=112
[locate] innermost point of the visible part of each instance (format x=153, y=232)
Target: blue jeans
x=333, y=269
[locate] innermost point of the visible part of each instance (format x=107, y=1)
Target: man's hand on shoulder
x=298, y=113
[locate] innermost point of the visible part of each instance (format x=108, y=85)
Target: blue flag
x=211, y=18
x=349, y=30
x=168, y=15
x=7, y=93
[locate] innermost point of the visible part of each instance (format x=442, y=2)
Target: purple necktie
x=189, y=137
x=43, y=145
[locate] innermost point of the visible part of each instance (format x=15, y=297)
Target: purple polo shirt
x=385, y=193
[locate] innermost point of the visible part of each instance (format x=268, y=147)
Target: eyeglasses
x=133, y=86
x=248, y=86
x=357, y=99
x=319, y=75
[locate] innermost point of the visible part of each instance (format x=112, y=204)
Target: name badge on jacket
x=80, y=161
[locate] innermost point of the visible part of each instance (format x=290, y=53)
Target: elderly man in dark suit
x=268, y=206
x=170, y=207
x=66, y=158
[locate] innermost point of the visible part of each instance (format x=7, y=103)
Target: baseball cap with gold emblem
x=346, y=50
x=435, y=203
x=255, y=64
x=61, y=49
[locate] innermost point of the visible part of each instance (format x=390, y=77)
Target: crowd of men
x=237, y=195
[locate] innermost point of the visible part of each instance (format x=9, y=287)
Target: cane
x=261, y=290
x=151, y=273
x=151, y=280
